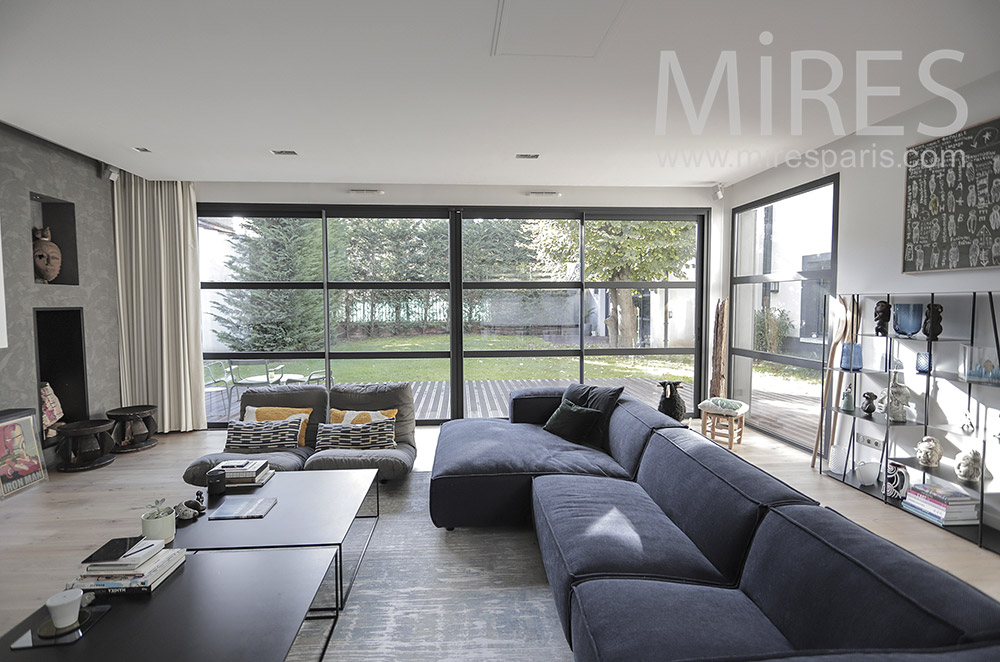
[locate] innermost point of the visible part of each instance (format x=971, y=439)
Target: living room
x=537, y=121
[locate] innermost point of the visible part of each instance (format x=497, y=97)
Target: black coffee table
x=233, y=605
x=314, y=509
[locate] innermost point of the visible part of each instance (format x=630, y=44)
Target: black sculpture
x=670, y=401
x=868, y=406
x=932, y=321
x=882, y=313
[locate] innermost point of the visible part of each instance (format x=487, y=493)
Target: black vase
x=932, y=321
x=868, y=406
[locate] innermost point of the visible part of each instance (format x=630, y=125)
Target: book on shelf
x=943, y=495
x=155, y=571
x=936, y=508
x=243, y=470
x=243, y=508
x=123, y=553
x=260, y=480
x=909, y=507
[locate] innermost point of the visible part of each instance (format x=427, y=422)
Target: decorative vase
x=838, y=458
x=893, y=400
x=159, y=528
x=850, y=356
x=929, y=452
x=897, y=481
x=847, y=399
x=932, y=321
x=868, y=406
x=868, y=472
x=906, y=318
x=969, y=465
x=882, y=312
x=923, y=362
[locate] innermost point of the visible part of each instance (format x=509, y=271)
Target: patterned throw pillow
x=262, y=436
x=364, y=436
x=281, y=414
x=359, y=417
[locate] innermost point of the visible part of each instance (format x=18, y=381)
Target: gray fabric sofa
x=692, y=553
x=392, y=463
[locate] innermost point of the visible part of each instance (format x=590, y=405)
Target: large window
x=493, y=300
x=784, y=265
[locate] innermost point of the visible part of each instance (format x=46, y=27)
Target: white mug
x=64, y=608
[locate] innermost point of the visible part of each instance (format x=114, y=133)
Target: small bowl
x=868, y=472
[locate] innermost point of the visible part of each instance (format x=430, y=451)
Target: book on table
x=243, y=471
x=243, y=508
x=123, y=553
x=144, y=579
x=260, y=480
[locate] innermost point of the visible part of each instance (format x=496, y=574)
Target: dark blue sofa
x=670, y=547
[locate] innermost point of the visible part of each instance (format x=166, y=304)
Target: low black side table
x=85, y=445
x=134, y=428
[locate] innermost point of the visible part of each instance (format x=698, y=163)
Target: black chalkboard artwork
x=952, y=212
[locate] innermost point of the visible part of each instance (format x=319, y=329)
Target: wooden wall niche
x=60, y=217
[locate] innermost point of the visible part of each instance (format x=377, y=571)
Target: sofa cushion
x=629, y=429
x=483, y=469
x=602, y=398
x=378, y=396
x=301, y=396
x=251, y=413
x=714, y=496
x=633, y=620
x=535, y=404
x=589, y=526
x=262, y=436
x=828, y=583
x=292, y=459
x=392, y=463
x=359, y=436
x=572, y=422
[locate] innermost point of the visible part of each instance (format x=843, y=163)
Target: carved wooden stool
x=85, y=445
x=134, y=428
x=722, y=428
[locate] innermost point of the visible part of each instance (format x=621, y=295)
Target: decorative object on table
x=215, y=482
x=968, y=424
x=978, y=364
x=894, y=399
x=52, y=412
x=882, y=313
x=134, y=428
x=929, y=452
x=850, y=357
x=671, y=403
x=140, y=579
x=906, y=318
x=847, y=399
x=183, y=512
x=85, y=445
x=21, y=461
x=923, y=362
x=868, y=406
x=969, y=465
x=46, y=255
x=197, y=504
x=43, y=633
x=896, y=481
x=932, y=321
x=64, y=609
x=159, y=522
x=868, y=472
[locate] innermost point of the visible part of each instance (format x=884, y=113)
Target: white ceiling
x=446, y=91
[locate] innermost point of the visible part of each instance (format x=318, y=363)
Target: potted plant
x=158, y=523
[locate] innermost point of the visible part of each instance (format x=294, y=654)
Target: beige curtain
x=159, y=300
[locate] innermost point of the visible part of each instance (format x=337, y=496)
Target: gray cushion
x=391, y=463
x=629, y=429
x=290, y=395
x=534, y=405
x=589, y=526
x=292, y=459
x=603, y=398
x=372, y=397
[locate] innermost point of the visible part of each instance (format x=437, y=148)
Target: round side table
x=134, y=428
x=85, y=445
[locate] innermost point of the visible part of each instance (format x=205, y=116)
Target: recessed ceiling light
x=144, y=150
x=284, y=152
x=526, y=156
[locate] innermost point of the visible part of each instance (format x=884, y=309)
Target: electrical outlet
x=871, y=442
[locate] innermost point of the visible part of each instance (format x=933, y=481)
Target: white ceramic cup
x=64, y=607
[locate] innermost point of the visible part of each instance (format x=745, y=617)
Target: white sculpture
x=969, y=465
x=894, y=400
x=929, y=452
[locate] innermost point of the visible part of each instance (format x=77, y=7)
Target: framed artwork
x=952, y=211
x=21, y=461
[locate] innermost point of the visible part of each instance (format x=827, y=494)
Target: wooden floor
x=49, y=527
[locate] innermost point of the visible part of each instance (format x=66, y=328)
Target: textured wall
x=28, y=164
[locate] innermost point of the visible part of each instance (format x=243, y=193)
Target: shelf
x=944, y=472
x=863, y=371
x=953, y=377
x=852, y=479
x=913, y=339
x=957, y=431
x=876, y=418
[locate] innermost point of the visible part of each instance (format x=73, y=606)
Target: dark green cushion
x=573, y=422
x=602, y=398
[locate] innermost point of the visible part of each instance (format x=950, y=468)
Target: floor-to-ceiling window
x=783, y=268
x=523, y=297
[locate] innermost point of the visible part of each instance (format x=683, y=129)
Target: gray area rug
x=424, y=593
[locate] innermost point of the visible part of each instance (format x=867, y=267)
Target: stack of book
x=246, y=472
x=942, y=506
x=128, y=565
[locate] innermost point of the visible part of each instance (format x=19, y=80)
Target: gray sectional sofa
x=666, y=546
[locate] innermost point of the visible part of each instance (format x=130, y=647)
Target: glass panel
x=784, y=400
x=640, y=250
x=780, y=318
x=236, y=249
x=522, y=319
x=625, y=317
x=388, y=249
x=222, y=397
x=640, y=374
x=429, y=377
x=262, y=320
x=788, y=236
x=515, y=249
x=489, y=381
x=390, y=320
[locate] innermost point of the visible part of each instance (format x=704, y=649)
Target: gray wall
x=29, y=164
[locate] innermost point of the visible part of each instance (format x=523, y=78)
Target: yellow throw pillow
x=351, y=417
x=280, y=414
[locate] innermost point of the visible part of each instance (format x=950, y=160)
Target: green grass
x=541, y=367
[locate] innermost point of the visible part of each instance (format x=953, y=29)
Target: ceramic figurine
x=932, y=321
x=847, y=398
x=969, y=465
x=894, y=400
x=897, y=481
x=671, y=403
x=183, y=512
x=882, y=313
x=868, y=406
x=968, y=425
x=46, y=255
x=929, y=452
